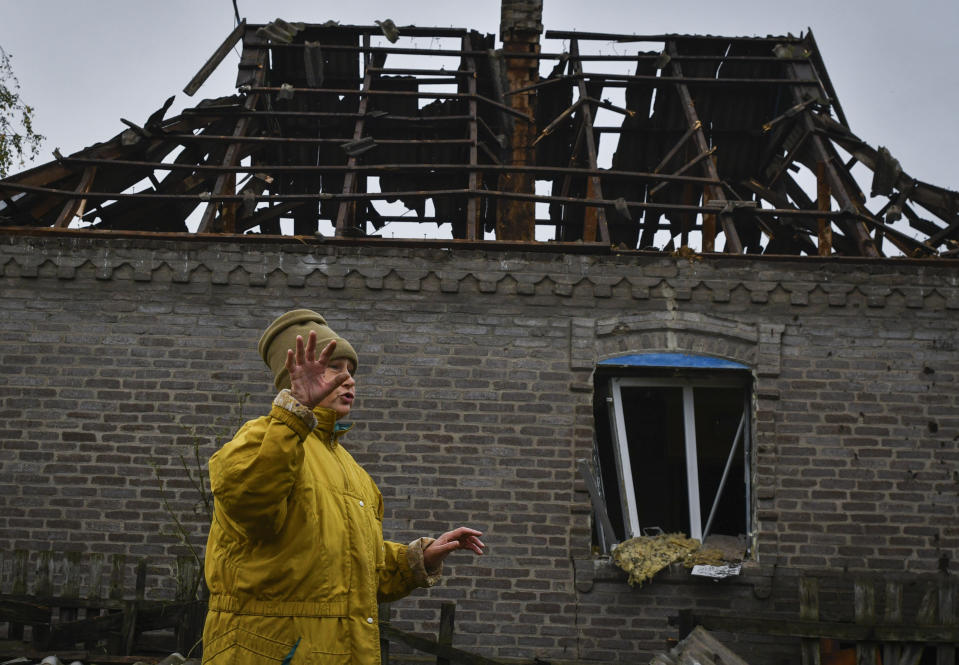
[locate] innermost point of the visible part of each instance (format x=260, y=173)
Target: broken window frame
x=688, y=381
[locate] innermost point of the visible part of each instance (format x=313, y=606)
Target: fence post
x=865, y=599
x=43, y=589
x=19, y=588
x=94, y=592
x=71, y=587
x=187, y=630
x=131, y=609
x=946, y=654
x=115, y=593
x=891, y=653
x=445, y=634
x=809, y=611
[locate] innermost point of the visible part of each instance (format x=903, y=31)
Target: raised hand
x=462, y=538
x=311, y=377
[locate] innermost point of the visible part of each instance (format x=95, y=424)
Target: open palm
x=311, y=377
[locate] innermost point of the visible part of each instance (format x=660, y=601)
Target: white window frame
x=624, y=467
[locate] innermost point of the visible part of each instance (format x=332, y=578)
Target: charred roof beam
x=821, y=152
x=715, y=192
x=346, y=213
x=233, y=153
x=595, y=217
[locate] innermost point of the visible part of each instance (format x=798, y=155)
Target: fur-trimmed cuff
x=414, y=554
x=285, y=400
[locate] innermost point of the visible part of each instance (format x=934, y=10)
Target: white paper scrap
x=717, y=572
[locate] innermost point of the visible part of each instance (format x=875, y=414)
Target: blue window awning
x=672, y=360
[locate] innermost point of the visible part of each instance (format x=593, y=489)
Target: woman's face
x=341, y=399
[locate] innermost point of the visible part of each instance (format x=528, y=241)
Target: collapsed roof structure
x=732, y=144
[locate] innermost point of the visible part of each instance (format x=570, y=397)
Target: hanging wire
x=237, y=20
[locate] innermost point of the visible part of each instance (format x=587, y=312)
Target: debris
x=717, y=572
x=645, y=556
x=390, y=31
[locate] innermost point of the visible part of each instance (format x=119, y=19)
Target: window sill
x=601, y=568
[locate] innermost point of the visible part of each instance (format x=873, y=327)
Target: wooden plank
x=867, y=651
x=189, y=627
x=912, y=653
x=425, y=645
x=70, y=591
x=823, y=198
x=117, y=571
x=43, y=582
x=595, y=218
x=444, y=636
x=214, y=60
x=66, y=635
x=18, y=587
x=709, y=226
x=848, y=632
x=22, y=612
x=346, y=213
x=733, y=243
x=96, y=579
x=809, y=611
x=820, y=151
x=232, y=155
x=74, y=207
x=891, y=653
x=946, y=653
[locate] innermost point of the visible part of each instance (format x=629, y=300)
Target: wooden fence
x=930, y=634
x=96, y=604
x=83, y=606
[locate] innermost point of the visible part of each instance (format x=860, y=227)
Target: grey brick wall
x=118, y=356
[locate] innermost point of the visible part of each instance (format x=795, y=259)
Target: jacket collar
x=326, y=423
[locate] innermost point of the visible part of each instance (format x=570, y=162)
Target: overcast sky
x=84, y=65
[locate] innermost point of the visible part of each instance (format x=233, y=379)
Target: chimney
x=521, y=22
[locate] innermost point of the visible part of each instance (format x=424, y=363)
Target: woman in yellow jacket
x=295, y=561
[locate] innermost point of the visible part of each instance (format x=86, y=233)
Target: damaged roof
x=732, y=144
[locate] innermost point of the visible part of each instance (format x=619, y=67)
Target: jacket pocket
x=328, y=644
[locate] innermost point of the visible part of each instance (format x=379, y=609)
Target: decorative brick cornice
x=488, y=272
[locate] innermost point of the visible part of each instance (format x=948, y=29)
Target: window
x=673, y=445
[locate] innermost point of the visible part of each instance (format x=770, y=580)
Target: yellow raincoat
x=296, y=562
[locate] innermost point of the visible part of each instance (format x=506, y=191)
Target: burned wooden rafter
x=558, y=120
x=74, y=207
x=394, y=93
x=627, y=38
x=733, y=242
x=234, y=151
x=543, y=171
x=940, y=202
x=594, y=219
x=682, y=169
x=213, y=62
x=234, y=111
x=278, y=198
x=695, y=127
x=346, y=214
x=821, y=152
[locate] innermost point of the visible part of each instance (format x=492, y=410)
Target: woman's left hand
x=462, y=538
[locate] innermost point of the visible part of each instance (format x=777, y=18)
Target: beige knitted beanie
x=280, y=336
